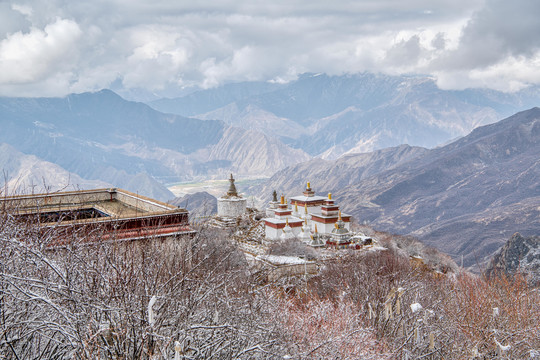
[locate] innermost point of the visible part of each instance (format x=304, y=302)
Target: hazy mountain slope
x=331, y=176
x=92, y=133
x=27, y=173
x=253, y=118
x=141, y=183
x=81, y=132
x=422, y=121
x=207, y=100
x=198, y=204
x=105, y=117
x=465, y=198
x=251, y=151
x=23, y=174
x=358, y=113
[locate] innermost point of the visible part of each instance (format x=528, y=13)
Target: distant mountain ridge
x=333, y=115
x=199, y=204
x=465, y=198
x=24, y=174
x=100, y=136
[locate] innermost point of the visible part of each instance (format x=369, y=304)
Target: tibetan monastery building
x=99, y=215
x=304, y=217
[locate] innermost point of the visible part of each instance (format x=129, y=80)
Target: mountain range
x=328, y=116
x=199, y=204
x=100, y=136
x=23, y=174
x=464, y=198
x=28, y=174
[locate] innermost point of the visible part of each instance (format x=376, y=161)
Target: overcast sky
x=56, y=47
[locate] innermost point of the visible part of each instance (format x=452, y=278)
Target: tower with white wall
x=231, y=205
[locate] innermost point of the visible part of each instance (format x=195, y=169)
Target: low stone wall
x=279, y=271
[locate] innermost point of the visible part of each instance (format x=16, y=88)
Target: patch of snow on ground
x=282, y=260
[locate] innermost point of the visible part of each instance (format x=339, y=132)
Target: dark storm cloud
x=501, y=29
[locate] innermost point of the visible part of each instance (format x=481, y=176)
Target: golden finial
x=282, y=199
x=329, y=196
x=308, y=185
x=316, y=229
x=305, y=207
x=339, y=216
x=287, y=222
x=296, y=206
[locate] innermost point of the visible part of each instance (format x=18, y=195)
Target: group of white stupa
x=314, y=220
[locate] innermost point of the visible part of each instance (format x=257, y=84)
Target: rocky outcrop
x=518, y=254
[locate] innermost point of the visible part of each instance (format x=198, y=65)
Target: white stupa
x=231, y=205
x=287, y=233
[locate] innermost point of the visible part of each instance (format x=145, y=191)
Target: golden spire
x=305, y=207
x=282, y=199
x=339, y=215
x=316, y=229
x=287, y=222
x=296, y=206
x=329, y=196
x=308, y=185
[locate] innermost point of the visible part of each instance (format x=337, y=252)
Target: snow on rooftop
x=375, y=248
x=308, y=198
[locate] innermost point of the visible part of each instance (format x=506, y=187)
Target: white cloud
x=23, y=9
x=63, y=46
x=28, y=58
x=511, y=74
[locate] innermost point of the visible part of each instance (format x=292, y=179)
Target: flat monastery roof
x=121, y=215
x=106, y=203
x=308, y=198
